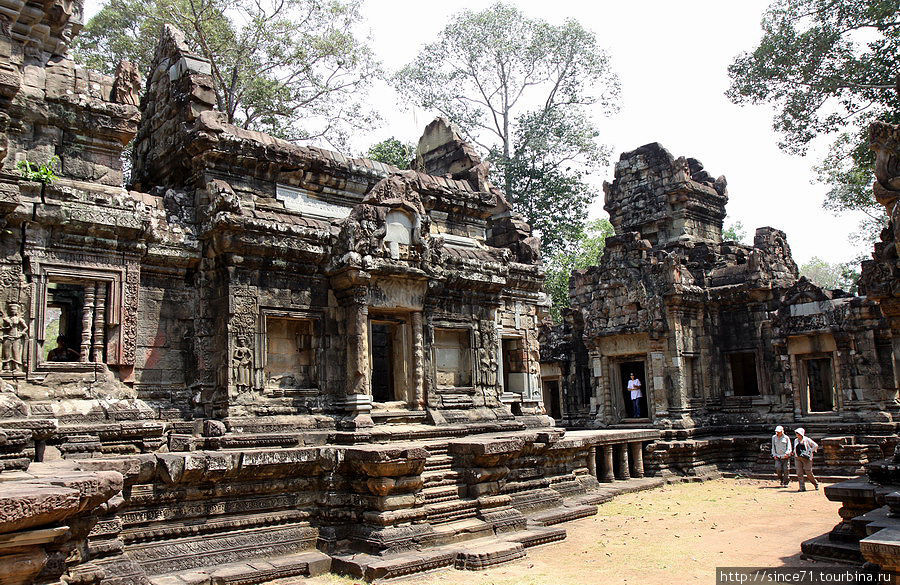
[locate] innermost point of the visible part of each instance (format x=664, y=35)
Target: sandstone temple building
x=261, y=360
x=727, y=339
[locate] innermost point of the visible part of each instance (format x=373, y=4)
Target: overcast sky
x=672, y=60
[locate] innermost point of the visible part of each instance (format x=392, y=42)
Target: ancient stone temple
x=725, y=338
x=260, y=359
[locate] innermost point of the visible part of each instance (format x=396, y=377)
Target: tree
x=392, y=152
x=521, y=89
x=734, y=232
x=291, y=68
x=589, y=245
x=842, y=275
x=830, y=68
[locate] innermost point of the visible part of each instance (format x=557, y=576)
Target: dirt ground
x=672, y=535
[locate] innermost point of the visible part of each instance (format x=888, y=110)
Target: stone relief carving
x=126, y=88
x=15, y=335
x=242, y=365
x=488, y=352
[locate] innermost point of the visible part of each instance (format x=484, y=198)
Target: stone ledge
x=251, y=572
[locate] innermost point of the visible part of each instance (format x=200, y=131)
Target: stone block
x=27, y=505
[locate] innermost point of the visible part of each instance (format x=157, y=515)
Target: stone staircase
x=452, y=514
x=869, y=527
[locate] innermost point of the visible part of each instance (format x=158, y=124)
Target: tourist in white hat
x=781, y=453
x=804, y=447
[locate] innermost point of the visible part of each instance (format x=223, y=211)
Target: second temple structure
x=726, y=338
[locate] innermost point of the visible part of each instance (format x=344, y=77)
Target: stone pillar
x=592, y=461
x=87, y=322
x=358, y=343
x=418, y=360
x=357, y=401
x=622, y=461
x=608, y=470
x=98, y=339
x=637, y=458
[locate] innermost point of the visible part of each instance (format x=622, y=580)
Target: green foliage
x=392, y=152
x=41, y=173
x=291, y=68
x=734, y=232
x=843, y=275
x=587, y=248
x=830, y=68
x=522, y=89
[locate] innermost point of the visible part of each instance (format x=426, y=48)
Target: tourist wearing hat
x=804, y=447
x=781, y=453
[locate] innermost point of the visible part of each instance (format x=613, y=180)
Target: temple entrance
x=820, y=384
x=383, y=335
x=551, y=398
x=389, y=355
x=625, y=371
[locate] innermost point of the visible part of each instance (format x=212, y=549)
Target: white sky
x=672, y=59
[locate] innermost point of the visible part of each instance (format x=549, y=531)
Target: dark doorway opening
x=551, y=398
x=625, y=371
x=743, y=374
x=820, y=382
x=382, y=362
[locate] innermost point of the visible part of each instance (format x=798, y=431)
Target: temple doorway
x=625, y=370
x=551, y=398
x=389, y=357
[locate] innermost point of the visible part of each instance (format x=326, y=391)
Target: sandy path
x=672, y=535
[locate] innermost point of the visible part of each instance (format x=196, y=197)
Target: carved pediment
x=804, y=291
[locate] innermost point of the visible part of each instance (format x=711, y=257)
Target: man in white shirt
x=634, y=385
x=781, y=453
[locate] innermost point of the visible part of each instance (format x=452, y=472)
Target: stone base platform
x=372, y=510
